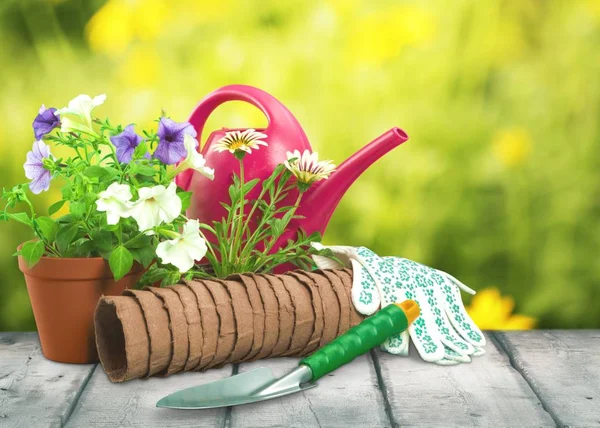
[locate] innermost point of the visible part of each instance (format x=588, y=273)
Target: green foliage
x=445, y=198
x=121, y=262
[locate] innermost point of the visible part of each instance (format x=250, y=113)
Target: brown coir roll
x=317, y=306
x=258, y=314
x=156, y=319
x=227, y=329
x=209, y=320
x=331, y=306
x=177, y=325
x=208, y=323
x=192, y=316
x=286, y=315
x=271, y=326
x=121, y=338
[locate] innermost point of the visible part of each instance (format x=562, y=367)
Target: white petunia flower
x=307, y=168
x=240, y=142
x=156, y=205
x=77, y=116
x=183, y=251
x=195, y=160
x=115, y=202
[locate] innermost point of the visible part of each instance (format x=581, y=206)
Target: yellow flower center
x=236, y=145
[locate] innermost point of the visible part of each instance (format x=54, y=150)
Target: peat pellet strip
x=343, y=300
x=271, y=311
x=121, y=338
x=192, y=316
x=244, y=320
x=258, y=312
x=159, y=334
x=286, y=315
x=226, y=340
x=331, y=307
x=317, y=307
x=346, y=276
x=210, y=322
x=304, y=326
x=178, y=326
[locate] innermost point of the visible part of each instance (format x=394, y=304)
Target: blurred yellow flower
x=491, y=311
x=119, y=22
x=141, y=67
x=511, y=147
x=382, y=35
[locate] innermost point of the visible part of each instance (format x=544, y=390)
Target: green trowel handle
x=391, y=320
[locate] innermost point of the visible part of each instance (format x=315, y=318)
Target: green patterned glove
x=443, y=334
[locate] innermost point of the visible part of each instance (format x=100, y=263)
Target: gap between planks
x=501, y=343
x=75, y=400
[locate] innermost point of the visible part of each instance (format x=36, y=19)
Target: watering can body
x=284, y=134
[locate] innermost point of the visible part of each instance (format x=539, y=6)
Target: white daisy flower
x=307, y=168
x=241, y=142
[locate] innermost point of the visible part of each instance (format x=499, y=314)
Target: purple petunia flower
x=171, y=148
x=126, y=142
x=45, y=122
x=34, y=167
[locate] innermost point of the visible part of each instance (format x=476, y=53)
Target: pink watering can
x=283, y=134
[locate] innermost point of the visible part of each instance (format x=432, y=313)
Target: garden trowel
x=260, y=384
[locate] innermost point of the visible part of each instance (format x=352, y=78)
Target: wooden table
x=526, y=379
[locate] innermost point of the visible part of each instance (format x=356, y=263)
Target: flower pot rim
x=88, y=268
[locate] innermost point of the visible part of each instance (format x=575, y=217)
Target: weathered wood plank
x=487, y=392
x=133, y=403
x=350, y=396
x=563, y=368
x=34, y=391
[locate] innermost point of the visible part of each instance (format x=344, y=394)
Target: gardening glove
x=443, y=333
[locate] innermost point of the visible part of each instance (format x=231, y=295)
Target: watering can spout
x=321, y=200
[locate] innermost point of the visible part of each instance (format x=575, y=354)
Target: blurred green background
x=499, y=183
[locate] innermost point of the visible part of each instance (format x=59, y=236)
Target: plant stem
x=237, y=223
x=275, y=238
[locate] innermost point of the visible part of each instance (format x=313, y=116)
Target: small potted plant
x=120, y=220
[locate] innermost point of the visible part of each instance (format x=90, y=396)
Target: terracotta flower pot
x=64, y=294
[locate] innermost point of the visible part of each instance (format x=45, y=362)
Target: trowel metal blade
x=243, y=388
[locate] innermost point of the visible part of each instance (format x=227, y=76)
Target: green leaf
x=90, y=198
x=22, y=218
x=173, y=278
x=277, y=226
x=48, y=227
x=111, y=227
x=140, y=150
x=103, y=239
x=55, y=207
x=145, y=255
x=66, y=191
x=120, y=262
x=186, y=200
x=145, y=170
x=32, y=252
x=95, y=171
x=77, y=209
x=142, y=241
x=153, y=276
x=233, y=194
x=250, y=185
x=65, y=236
x=287, y=217
x=85, y=247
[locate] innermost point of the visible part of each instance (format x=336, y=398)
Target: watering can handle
x=281, y=121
